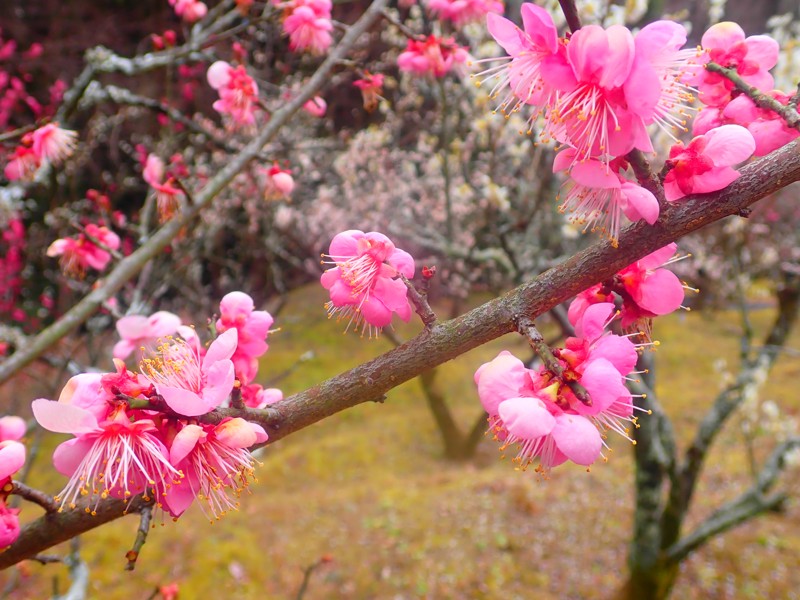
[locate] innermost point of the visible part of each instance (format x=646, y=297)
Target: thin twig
x=420, y=302
x=141, y=537
x=788, y=113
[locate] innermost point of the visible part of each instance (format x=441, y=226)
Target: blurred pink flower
x=434, y=56
x=238, y=92
x=22, y=165
x=53, y=144
x=316, y=107
x=279, y=183
x=461, y=12
x=80, y=253
x=371, y=86
x=309, y=26
x=9, y=525
x=168, y=195
x=189, y=10
x=138, y=330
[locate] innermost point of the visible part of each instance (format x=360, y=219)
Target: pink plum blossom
x=52, y=144
x=364, y=285
x=138, y=330
x=599, y=196
x=216, y=462
x=238, y=92
x=113, y=456
x=752, y=58
x=533, y=52
x=309, y=26
x=189, y=384
x=461, y=12
x=646, y=289
x=254, y=396
x=705, y=164
x=434, y=56
x=81, y=253
x=168, y=195
x=252, y=326
x=12, y=452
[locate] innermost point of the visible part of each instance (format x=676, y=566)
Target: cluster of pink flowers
x=47, y=144
x=536, y=409
x=12, y=458
x=238, y=92
x=433, y=56
x=365, y=285
x=79, y=253
x=143, y=433
x=12, y=247
x=189, y=10
x=751, y=58
x=308, y=25
x=597, y=92
x=461, y=12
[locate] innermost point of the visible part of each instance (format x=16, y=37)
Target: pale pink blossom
x=238, y=92
x=81, y=253
x=752, y=58
x=168, y=195
x=237, y=311
x=12, y=457
x=216, y=463
x=461, y=12
x=192, y=385
x=254, y=396
x=599, y=196
x=309, y=26
x=434, y=56
x=114, y=456
x=364, y=285
x=705, y=164
x=137, y=331
x=53, y=144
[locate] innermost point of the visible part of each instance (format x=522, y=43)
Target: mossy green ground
x=369, y=489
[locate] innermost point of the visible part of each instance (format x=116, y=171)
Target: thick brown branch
x=32, y=495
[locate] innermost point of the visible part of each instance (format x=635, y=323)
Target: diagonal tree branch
x=130, y=266
x=751, y=503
